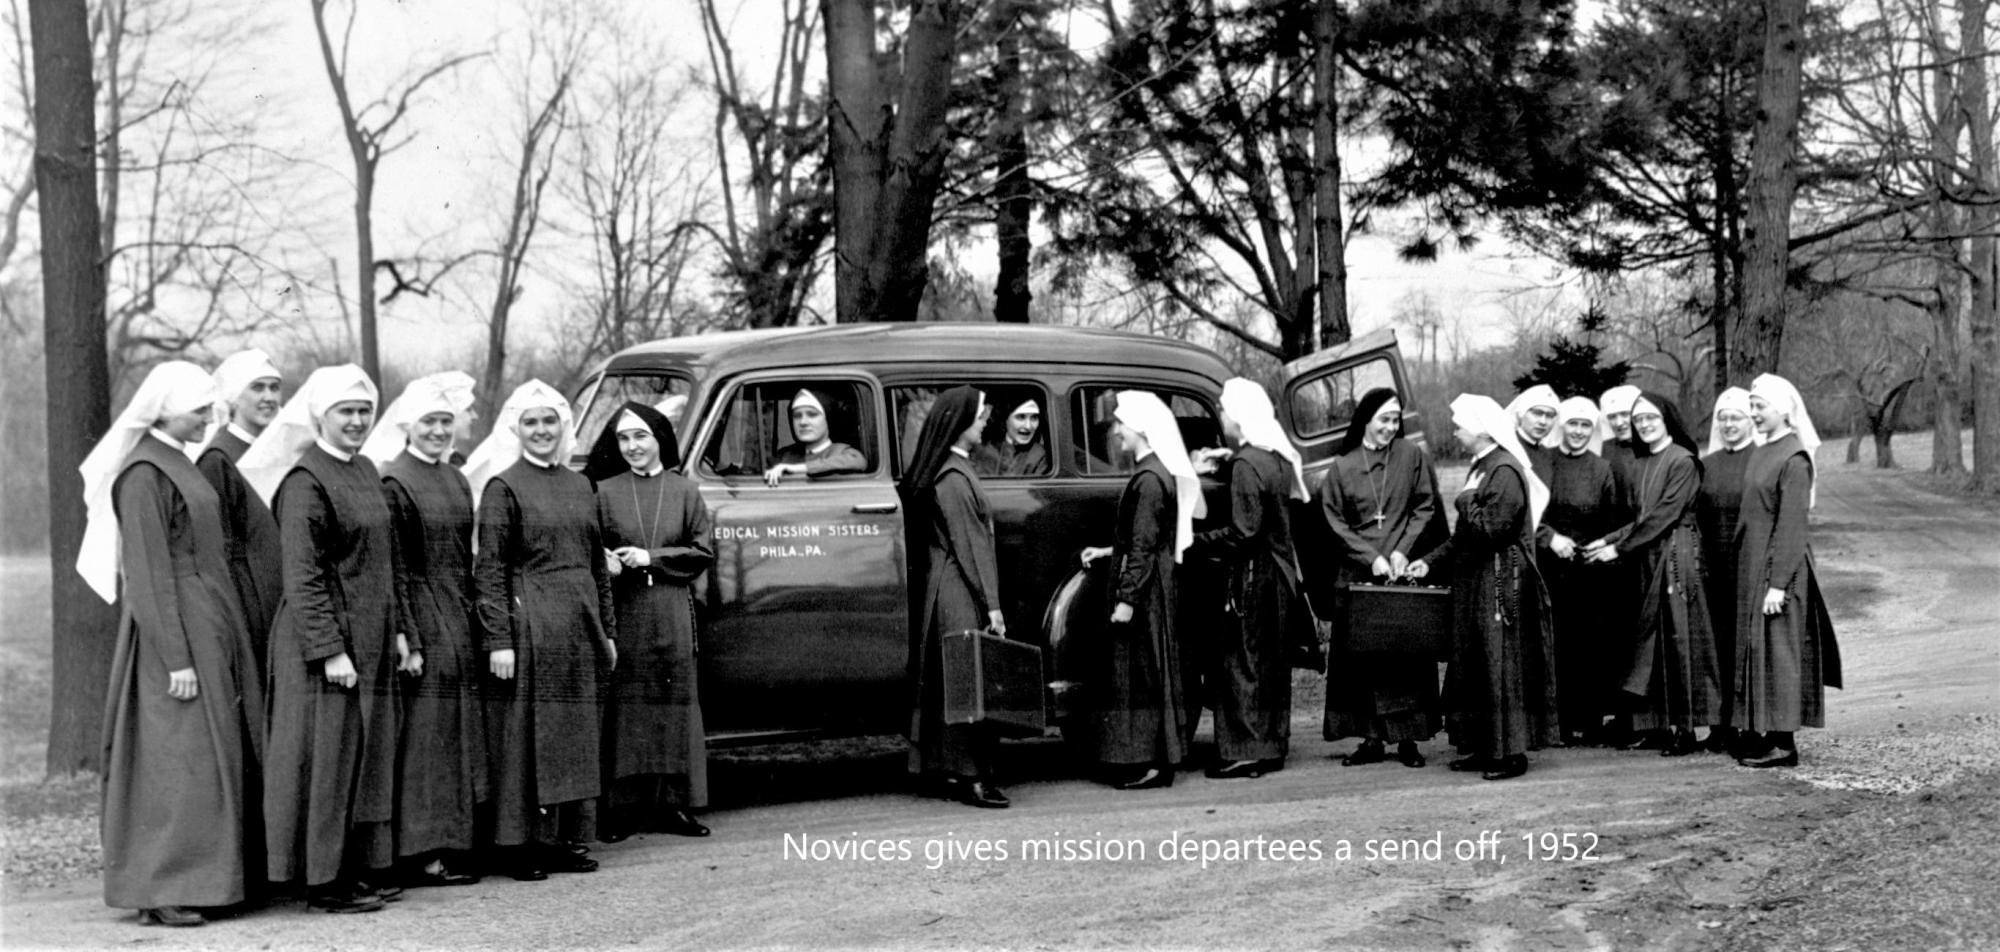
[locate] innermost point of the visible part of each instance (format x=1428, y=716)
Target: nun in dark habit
x=952, y=523
x=1731, y=435
x=1672, y=671
x=815, y=453
x=659, y=534
x=184, y=716
x=1252, y=675
x=330, y=786
x=1140, y=710
x=248, y=384
x=1583, y=506
x=543, y=594
x=1380, y=501
x=443, y=780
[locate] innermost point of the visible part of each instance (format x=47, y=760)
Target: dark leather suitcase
x=1399, y=619
x=993, y=681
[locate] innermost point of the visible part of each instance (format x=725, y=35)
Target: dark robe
x=1718, y=512
x=833, y=460
x=1541, y=459
x=1500, y=687
x=1252, y=676
x=541, y=589
x=1012, y=459
x=1140, y=710
x=1379, y=696
x=180, y=821
x=1591, y=662
x=655, y=754
x=255, y=555
x=443, y=777
x=1783, y=661
x=1672, y=668
x=329, y=784
x=961, y=586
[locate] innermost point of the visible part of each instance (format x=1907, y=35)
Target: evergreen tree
x=1573, y=365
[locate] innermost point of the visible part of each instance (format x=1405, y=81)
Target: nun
x=1501, y=686
x=1785, y=650
x=1380, y=500
x=1583, y=506
x=1140, y=710
x=248, y=386
x=542, y=590
x=1534, y=411
x=951, y=521
x=1020, y=450
x=330, y=786
x=1672, y=671
x=659, y=533
x=1251, y=671
x=1717, y=511
x=184, y=716
x=442, y=778
x=814, y=452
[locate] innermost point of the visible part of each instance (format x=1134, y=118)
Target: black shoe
x=439, y=874
x=1153, y=777
x=1239, y=770
x=1720, y=740
x=558, y=859
x=363, y=887
x=979, y=793
x=1650, y=740
x=176, y=916
x=344, y=900
x=680, y=823
x=1370, y=752
x=522, y=869
x=1477, y=763
x=1775, y=757
x=1507, y=768
x=1682, y=744
x=1410, y=756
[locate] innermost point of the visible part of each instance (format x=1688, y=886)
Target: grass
x=48, y=826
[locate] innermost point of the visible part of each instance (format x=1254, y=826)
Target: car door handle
x=876, y=507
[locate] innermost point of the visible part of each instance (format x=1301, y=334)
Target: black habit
x=255, y=555
x=1783, y=661
x=1252, y=674
x=1141, y=713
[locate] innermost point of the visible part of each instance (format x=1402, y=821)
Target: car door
x=806, y=607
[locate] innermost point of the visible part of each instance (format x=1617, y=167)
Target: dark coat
x=1139, y=707
x=1672, y=667
x=332, y=764
x=1783, y=661
x=181, y=820
x=442, y=769
x=255, y=555
x=961, y=587
x=1591, y=663
x=1719, y=513
x=1251, y=673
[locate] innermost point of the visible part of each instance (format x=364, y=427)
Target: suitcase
x=993, y=681
x=1399, y=619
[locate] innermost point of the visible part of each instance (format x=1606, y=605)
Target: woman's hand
x=610, y=654
x=780, y=471
x=1563, y=546
x=633, y=556
x=1092, y=553
x=501, y=663
x=1418, y=569
x=1601, y=552
x=1121, y=614
x=1381, y=567
x=1399, y=565
x=612, y=564
x=182, y=686
x=339, y=670
x=996, y=622
x=1774, y=601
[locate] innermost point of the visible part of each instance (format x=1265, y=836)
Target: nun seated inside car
x=794, y=430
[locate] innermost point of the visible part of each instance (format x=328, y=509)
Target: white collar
x=420, y=455
x=241, y=433
x=658, y=468
x=960, y=452
x=537, y=463
x=1476, y=457
x=340, y=455
x=167, y=438
x=819, y=447
x=1142, y=456
x=1370, y=447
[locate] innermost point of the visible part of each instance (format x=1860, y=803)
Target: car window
x=666, y=393
x=756, y=427
x=1323, y=405
x=1095, y=449
x=909, y=406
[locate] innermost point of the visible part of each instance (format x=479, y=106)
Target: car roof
x=840, y=345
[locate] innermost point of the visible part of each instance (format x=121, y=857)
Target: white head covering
x=503, y=446
x=1734, y=398
x=172, y=388
x=1481, y=414
x=1618, y=399
x=241, y=369
x=1784, y=398
x=447, y=392
x=1144, y=412
x=1246, y=402
x=295, y=427
x=807, y=398
x=1580, y=408
x=1539, y=395
x=1026, y=405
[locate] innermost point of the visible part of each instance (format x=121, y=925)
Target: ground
x=1881, y=840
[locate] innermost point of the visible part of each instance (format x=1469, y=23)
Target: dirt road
x=1650, y=853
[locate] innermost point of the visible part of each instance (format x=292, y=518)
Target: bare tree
x=1773, y=184
x=777, y=212
x=371, y=133
x=1975, y=95
x=79, y=384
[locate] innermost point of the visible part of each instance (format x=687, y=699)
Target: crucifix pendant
x=1378, y=517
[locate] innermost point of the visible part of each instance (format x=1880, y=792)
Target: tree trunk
x=886, y=163
x=364, y=250
x=78, y=378
x=1014, y=205
x=1329, y=235
x=1774, y=180
x=1984, y=217
x=1947, y=271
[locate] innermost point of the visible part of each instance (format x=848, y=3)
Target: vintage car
x=805, y=626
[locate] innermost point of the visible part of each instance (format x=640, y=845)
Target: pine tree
x=1572, y=365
